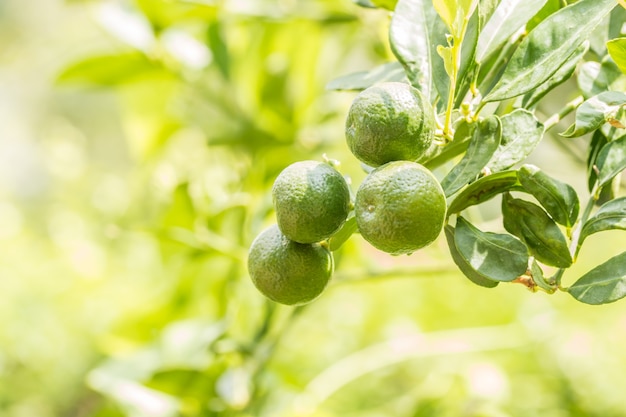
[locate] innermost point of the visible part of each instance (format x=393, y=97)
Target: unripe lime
x=312, y=201
x=288, y=272
x=400, y=207
x=390, y=121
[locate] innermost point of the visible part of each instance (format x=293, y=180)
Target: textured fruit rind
x=389, y=121
x=312, y=201
x=400, y=207
x=288, y=272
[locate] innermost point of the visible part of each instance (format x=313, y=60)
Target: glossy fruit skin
x=312, y=201
x=288, y=272
x=389, y=121
x=400, y=207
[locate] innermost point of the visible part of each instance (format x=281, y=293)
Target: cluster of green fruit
x=399, y=207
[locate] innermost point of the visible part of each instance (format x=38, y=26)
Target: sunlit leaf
x=595, y=78
x=605, y=283
x=484, y=142
x=361, y=80
x=498, y=257
x=611, y=216
x=595, y=111
x=465, y=266
x=548, y=46
x=343, y=234
x=521, y=132
x=507, y=19
x=559, y=199
x=537, y=230
x=617, y=50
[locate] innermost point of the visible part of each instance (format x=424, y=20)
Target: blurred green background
x=138, y=144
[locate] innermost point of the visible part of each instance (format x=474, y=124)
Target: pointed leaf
x=454, y=12
x=560, y=76
x=537, y=274
x=611, y=216
x=603, y=284
x=559, y=199
x=521, y=132
x=413, y=43
x=361, y=80
x=507, y=19
x=594, y=112
x=463, y=265
x=484, y=189
x=484, y=142
x=537, y=230
x=617, y=50
x=498, y=257
x=611, y=160
x=548, y=46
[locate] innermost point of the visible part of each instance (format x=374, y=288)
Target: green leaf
x=594, y=112
x=617, y=50
x=413, y=41
x=464, y=266
x=537, y=275
x=611, y=216
x=365, y=3
x=551, y=6
x=537, y=230
x=454, y=13
x=343, y=234
x=521, y=132
x=385, y=4
x=559, y=199
x=498, y=257
x=560, y=76
x=110, y=70
x=603, y=284
x=598, y=140
x=507, y=19
x=611, y=160
x=595, y=78
x=361, y=80
x=484, y=142
x=484, y=189
x=219, y=49
x=548, y=46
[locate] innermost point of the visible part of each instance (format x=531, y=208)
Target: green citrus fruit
x=312, y=201
x=389, y=121
x=288, y=272
x=400, y=207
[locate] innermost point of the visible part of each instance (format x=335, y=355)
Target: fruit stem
x=567, y=109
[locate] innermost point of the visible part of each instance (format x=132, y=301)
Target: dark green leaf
x=594, y=112
x=559, y=199
x=463, y=265
x=343, y=234
x=498, y=257
x=361, y=80
x=507, y=19
x=560, y=76
x=603, y=284
x=598, y=140
x=611, y=160
x=484, y=142
x=468, y=65
x=548, y=46
x=413, y=41
x=611, y=216
x=521, y=132
x=537, y=230
x=484, y=189
x=595, y=78
x=617, y=50
x=110, y=70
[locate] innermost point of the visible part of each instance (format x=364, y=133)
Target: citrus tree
x=461, y=101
